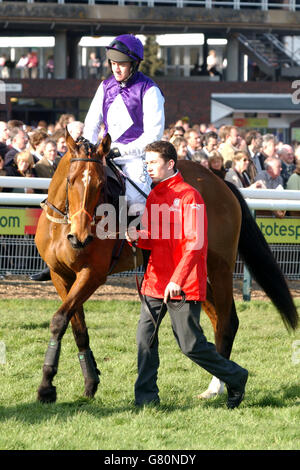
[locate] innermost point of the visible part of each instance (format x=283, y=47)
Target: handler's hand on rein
x=131, y=235
x=172, y=290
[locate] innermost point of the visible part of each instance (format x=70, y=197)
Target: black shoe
x=43, y=276
x=235, y=397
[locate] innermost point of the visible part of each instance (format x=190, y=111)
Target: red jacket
x=175, y=230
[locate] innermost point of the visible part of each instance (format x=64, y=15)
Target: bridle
x=65, y=217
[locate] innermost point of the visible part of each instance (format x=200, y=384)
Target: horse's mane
x=88, y=146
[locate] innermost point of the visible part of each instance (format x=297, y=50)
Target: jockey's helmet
x=124, y=48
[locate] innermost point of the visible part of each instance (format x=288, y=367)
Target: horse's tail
x=258, y=257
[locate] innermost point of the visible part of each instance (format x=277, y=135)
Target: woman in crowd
x=180, y=145
x=24, y=168
x=238, y=173
x=216, y=164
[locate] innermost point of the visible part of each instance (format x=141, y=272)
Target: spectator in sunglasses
x=238, y=173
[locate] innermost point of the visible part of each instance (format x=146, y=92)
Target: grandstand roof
x=224, y=104
x=20, y=18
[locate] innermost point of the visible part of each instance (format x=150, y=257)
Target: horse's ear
x=70, y=141
x=104, y=146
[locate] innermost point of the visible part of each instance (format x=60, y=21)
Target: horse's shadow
x=35, y=412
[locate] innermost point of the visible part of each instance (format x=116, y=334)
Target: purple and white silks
x=132, y=96
x=133, y=115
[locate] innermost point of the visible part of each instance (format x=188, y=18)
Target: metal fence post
x=247, y=280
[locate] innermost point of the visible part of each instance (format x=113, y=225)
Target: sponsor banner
x=280, y=230
x=251, y=122
x=21, y=221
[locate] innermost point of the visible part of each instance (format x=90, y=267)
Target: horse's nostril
x=88, y=240
x=75, y=243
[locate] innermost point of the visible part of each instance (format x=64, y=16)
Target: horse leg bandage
x=89, y=366
x=52, y=353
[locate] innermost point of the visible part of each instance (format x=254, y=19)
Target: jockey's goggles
x=121, y=47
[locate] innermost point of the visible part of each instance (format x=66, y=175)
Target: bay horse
x=79, y=261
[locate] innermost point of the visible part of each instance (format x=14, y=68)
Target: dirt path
x=118, y=288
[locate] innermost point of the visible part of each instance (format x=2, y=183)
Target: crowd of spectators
x=245, y=158
x=34, y=152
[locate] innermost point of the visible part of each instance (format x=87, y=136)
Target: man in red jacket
x=175, y=231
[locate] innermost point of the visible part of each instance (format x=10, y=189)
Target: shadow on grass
x=35, y=326
x=281, y=398
x=36, y=412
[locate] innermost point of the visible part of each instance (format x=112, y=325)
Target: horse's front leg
x=85, y=355
x=73, y=296
x=58, y=326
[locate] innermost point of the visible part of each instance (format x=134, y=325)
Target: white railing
x=22, y=199
x=272, y=199
x=19, y=182
x=234, y=4
x=257, y=199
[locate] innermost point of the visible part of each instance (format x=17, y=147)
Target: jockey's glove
x=113, y=153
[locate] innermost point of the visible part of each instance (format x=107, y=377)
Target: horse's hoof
x=47, y=394
x=216, y=387
x=91, y=389
x=207, y=395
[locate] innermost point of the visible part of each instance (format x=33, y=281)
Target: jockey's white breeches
x=135, y=169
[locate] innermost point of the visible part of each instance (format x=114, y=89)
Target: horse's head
x=85, y=180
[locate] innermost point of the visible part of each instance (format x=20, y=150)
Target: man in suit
x=19, y=142
x=193, y=142
x=254, y=142
x=47, y=165
x=268, y=150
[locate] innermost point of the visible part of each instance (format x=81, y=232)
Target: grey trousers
x=192, y=342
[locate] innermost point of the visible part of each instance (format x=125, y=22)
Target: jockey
x=131, y=108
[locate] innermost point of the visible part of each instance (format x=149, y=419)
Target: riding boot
x=42, y=276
